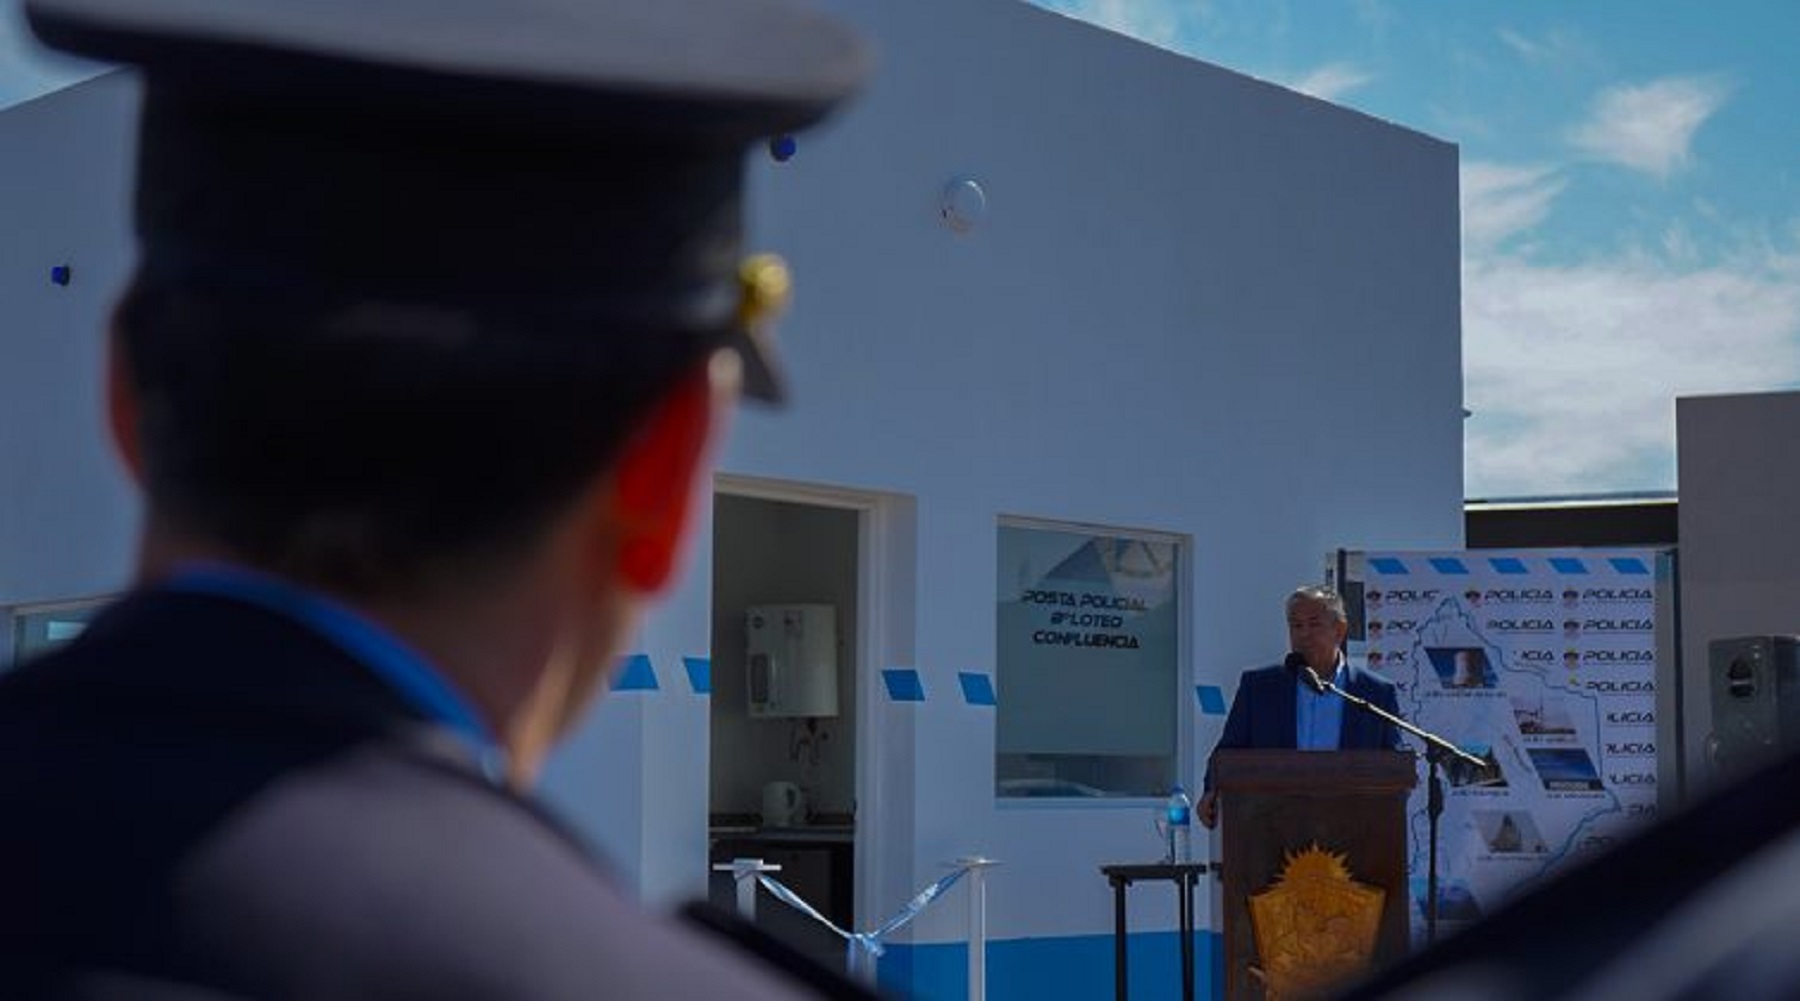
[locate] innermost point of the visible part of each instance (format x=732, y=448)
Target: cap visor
x=762, y=374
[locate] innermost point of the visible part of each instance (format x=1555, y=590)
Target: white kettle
x=783, y=805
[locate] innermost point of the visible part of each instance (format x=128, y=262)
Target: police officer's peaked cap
x=581, y=157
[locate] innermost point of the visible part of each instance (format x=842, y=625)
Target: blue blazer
x=1262, y=713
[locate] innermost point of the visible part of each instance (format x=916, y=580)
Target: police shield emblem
x=1315, y=926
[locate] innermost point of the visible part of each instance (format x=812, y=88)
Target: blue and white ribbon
x=867, y=943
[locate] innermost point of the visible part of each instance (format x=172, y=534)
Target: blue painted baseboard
x=1050, y=969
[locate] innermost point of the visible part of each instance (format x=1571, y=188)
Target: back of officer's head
x=411, y=271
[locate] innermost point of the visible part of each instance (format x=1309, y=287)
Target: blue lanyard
x=385, y=655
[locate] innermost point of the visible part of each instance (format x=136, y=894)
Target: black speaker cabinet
x=1755, y=700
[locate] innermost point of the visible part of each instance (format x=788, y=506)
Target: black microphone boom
x=1296, y=662
x=1436, y=748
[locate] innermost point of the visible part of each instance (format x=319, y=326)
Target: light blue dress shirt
x=1319, y=717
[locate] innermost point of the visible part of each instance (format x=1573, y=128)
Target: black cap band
x=576, y=159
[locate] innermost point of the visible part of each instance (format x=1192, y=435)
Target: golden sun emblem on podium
x=1315, y=926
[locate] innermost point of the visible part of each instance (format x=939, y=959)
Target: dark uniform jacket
x=1262, y=712
x=203, y=799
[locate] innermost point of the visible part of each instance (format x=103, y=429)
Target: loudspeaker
x=1755, y=700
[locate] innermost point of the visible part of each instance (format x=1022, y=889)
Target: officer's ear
x=661, y=469
x=123, y=410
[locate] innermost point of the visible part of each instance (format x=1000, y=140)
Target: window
x=1088, y=665
x=37, y=629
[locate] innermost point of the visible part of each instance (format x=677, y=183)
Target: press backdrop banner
x=1541, y=662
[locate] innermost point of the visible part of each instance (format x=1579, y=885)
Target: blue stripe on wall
x=636, y=675
x=699, y=672
x=977, y=689
x=1035, y=969
x=1629, y=564
x=903, y=684
x=1212, y=699
x=1387, y=565
x=1511, y=565
x=1568, y=565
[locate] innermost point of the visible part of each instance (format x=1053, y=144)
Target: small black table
x=1184, y=875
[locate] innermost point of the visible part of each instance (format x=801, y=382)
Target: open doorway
x=787, y=613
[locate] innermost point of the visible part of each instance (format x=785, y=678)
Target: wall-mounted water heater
x=793, y=654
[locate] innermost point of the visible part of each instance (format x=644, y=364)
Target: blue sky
x=1631, y=195
x=1631, y=199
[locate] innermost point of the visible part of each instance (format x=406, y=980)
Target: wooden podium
x=1275, y=806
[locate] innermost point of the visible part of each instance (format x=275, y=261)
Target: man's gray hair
x=1333, y=601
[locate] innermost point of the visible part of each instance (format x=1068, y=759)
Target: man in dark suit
x=438, y=312
x=1277, y=707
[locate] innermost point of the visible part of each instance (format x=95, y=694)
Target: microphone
x=1296, y=662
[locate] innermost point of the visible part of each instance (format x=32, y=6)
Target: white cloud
x=1377, y=15
x=1649, y=127
x=1572, y=370
x=1573, y=373
x=1500, y=201
x=1332, y=80
x=1469, y=127
x=1156, y=23
x=1554, y=47
x=1531, y=49
x=1678, y=243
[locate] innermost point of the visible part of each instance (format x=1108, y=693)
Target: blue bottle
x=1180, y=821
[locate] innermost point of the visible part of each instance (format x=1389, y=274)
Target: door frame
x=879, y=631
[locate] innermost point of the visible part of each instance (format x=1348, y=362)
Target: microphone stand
x=1436, y=750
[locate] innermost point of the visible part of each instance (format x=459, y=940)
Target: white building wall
x=66, y=512
x=1194, y=300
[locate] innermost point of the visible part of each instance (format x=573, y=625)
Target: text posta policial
x=1070, y=599
x=1083, y=600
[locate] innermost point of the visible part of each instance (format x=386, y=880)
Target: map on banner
x=1541, y=663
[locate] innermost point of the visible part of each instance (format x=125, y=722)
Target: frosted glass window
x=1088, y=662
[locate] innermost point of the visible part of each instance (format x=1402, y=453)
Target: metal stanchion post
x=743, y=872
x=869, y=966
x=977, y=867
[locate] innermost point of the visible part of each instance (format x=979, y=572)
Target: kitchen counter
x=811, y=833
